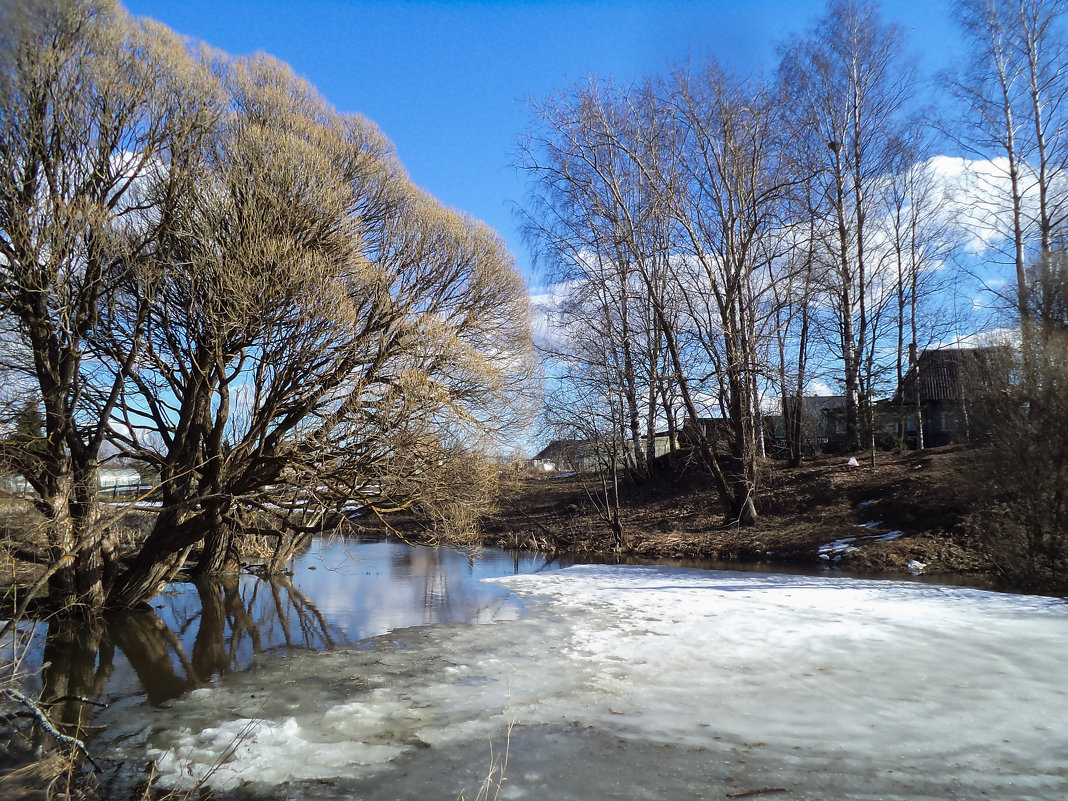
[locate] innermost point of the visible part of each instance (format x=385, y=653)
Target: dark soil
x=676, y=514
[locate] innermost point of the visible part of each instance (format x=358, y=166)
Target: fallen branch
x=79, y=698
x=42, y=717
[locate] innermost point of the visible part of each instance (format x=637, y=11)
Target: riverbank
x=910, y=509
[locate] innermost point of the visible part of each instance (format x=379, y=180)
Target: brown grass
x=676, y=515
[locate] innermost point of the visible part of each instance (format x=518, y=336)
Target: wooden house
x=937, y=384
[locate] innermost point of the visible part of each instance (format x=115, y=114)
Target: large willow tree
x=95, y=109
x=257, y=303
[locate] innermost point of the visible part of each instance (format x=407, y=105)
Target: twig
x=761, y=791
x=379, y=514
x=46, y=723
x=80, y=698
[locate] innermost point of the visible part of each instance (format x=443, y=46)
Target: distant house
x=822, y=427
x=823, y=423
x=581, y=456
x=661, y=445
x=938, y=380
x=565, y=456
x=111, y=481
x=715, y=429
x=119, y=479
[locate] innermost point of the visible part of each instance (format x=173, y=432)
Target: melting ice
x=639, y=682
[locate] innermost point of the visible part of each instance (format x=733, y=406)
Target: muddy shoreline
x=911, y=509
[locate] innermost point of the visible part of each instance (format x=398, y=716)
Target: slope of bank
x=910, y=509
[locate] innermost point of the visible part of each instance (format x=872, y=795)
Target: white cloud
x=979, y=199
x=984, y=339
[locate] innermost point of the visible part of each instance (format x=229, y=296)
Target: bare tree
x=1015, y=88
x=921, y=239
x=231, y=282
x=794, y=294
x=850, y=92
x=94, y=110
x=326, y=339
x=587, y=406
x=677, y=183
x=725, y=193
x=590, y=210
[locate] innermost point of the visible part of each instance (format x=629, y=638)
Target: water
x=339, y=593
x=364, y=678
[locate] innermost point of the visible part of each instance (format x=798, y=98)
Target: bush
x=1024, y=409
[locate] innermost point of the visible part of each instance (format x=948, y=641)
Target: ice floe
x=642, y=682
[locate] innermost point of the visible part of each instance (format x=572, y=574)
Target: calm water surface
x=341, y=592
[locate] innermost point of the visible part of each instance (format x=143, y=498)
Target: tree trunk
x=82, y=547
x=286, y=546
x=154, y=566
x=630, y=382
x=797, y=453
x=219, y=555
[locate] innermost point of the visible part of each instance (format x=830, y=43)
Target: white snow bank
x=830, y=687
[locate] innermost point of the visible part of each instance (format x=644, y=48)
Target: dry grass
x=53, y=777
x=676, y=514
x=493, y=784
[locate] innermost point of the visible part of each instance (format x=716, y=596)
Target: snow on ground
x=835, y=549
x=646, y=682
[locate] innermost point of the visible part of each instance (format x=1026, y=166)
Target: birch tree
x=1015, y=87
x=726, y=199
x=851, y=89
x=681, y=178
x=590, y=219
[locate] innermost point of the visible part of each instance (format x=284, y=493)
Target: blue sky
x=448, y=81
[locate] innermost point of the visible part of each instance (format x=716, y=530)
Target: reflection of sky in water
x=370, y=588
x=341, y=592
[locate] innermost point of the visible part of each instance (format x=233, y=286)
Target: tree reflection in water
x=76, y=666
x=219, y=630
x=196, y=633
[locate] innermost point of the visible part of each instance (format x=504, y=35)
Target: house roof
x=816, y=405
x=560, y=448
x=940, y=373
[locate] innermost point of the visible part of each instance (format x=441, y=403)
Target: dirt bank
x=911, y=507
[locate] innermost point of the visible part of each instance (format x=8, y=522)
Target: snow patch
x=837, y=548
x=833, y=551
x=899, y=690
